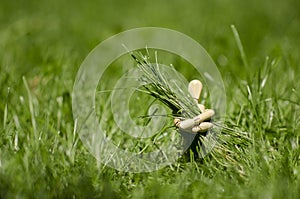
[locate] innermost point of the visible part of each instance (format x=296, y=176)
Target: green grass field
x=43, y=43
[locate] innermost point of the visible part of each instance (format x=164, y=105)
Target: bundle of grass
x=226, y=146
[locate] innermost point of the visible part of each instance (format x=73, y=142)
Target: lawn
x=42, y=45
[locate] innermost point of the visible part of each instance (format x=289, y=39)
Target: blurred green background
x=37, y=28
